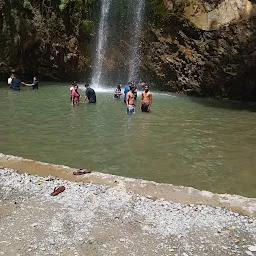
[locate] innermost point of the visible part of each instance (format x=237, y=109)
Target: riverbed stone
x=252, y=248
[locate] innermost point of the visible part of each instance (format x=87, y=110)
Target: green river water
x=203, y=143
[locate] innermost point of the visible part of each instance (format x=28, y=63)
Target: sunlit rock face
x=203, y=47
x=207, y=15
x=212, y=14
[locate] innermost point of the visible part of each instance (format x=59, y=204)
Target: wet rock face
x=214, y=63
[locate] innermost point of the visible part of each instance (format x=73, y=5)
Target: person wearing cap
x=89, y=94
x=146, y=100
x=130, y=101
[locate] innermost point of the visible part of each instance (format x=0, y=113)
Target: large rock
x=210, y=15
x=210, y=52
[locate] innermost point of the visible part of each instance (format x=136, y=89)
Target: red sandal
x=57, y=190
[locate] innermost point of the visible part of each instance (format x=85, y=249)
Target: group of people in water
x=75, y=96
x=15, y=83
x=130, y=96
x=130, y=93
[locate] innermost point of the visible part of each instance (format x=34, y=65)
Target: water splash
x=101, y=42
x=135, y=58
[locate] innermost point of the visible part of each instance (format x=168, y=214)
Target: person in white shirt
x=10, y=80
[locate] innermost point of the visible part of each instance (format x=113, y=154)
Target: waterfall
x=135, y=44
x=101, y=42
x=118, y=42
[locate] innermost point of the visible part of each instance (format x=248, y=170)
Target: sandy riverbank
x=94, y=219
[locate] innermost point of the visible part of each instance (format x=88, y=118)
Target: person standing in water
x=10, y=80
x=130, y=101
x=135, y=93
x=71, y=89
x=146, y=100
x=126, y=90
x=34, y=84
x=118, y=92
x=75, y=95
x=15, y=84
x=89, y=94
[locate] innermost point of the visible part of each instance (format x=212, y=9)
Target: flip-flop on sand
x=57, y=190
x=81, y=172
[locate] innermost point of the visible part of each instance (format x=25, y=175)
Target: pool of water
x=203, y=143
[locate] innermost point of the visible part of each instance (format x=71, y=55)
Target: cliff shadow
x=234, y=105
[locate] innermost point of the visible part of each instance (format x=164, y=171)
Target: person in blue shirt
x=126, y=90
x=15, y=84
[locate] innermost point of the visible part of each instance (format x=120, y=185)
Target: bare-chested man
x=130, y=101
x=146, y=100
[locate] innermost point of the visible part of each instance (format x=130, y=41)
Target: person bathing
x=71, y=89
x=118, y=92
x=75, y=95
x=130, y=101
x=126, y=90
x=89, y=94
x=15, y=83
x=146, y=100
x=34, y=84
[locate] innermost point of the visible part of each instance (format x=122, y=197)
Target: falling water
x=135, y=44
x=101, y=42
x=118, y=42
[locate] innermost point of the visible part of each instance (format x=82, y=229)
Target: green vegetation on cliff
x=47, y=37
x=199, y=47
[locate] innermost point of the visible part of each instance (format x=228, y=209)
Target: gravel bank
x=167, y=192
x=89, y=219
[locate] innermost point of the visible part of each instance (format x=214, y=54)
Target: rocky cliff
x=199, y=47
x=50, y=39
x=202, y=47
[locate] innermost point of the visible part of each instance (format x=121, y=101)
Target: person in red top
x=75, y=95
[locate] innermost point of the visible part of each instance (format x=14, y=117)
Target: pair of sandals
x=58, y=190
